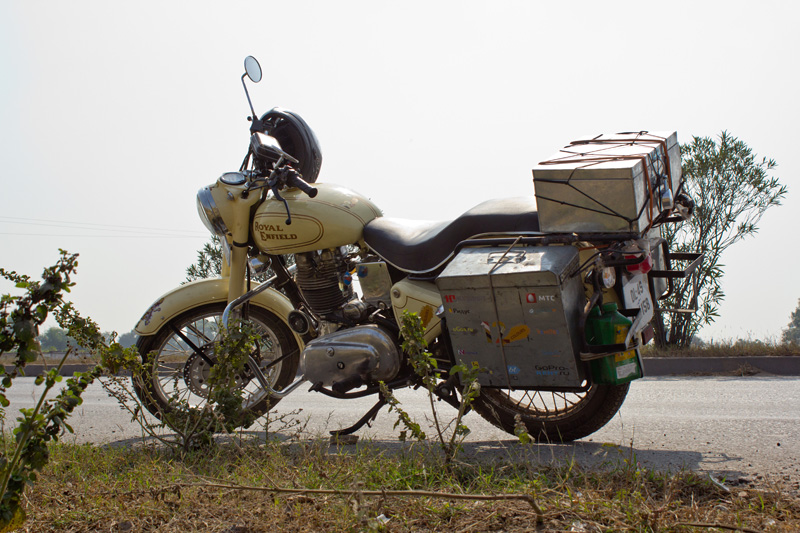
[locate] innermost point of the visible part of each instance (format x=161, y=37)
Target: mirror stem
x=247, y=93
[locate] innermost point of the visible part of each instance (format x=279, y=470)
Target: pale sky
x=113, y=115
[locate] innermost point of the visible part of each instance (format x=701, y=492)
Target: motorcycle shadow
x=584, y=454
x=587, y=455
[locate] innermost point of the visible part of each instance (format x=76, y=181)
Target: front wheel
x=176, y=362
x=551, y=416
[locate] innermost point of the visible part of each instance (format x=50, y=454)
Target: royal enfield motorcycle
x=550, y=295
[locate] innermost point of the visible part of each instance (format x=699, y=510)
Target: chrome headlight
x=209, y=214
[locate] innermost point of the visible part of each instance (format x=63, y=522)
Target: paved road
x=735, y=427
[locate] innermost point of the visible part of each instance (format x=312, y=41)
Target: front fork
x=238, y=297
x=237, y=272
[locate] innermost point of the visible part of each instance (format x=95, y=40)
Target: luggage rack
x=694, y=259
x=597, y=351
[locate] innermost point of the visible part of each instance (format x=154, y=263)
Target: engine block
x=320, y=276
x=355, y=356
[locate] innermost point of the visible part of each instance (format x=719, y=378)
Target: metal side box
x=515, y=312
x=608, y=183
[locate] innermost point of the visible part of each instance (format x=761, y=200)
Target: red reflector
x=644, y=267
x=648, y=334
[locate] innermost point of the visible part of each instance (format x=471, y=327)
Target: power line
x=146, y=236
x=97, y=227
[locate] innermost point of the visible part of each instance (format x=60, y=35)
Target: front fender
x=203, y=292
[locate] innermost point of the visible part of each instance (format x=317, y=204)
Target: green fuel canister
x=609, y=326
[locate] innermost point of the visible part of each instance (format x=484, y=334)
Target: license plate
x=636, y=292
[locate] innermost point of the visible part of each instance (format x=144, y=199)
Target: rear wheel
x=176, y=368
x=551, y=416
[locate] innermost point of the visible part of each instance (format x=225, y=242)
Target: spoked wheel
x=552, y=416
x=177, y=361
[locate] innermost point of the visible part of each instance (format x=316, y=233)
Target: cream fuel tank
x=335, y=217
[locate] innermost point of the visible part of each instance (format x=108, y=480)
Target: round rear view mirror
x=252, y=68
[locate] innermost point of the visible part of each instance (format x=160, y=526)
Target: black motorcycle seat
x=422, y=246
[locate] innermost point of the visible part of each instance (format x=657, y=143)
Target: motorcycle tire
x=551, y=416
x=173, y=373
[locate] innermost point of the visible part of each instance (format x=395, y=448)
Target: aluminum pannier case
x=515, y=311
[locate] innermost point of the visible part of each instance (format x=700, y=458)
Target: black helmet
x=296, y=139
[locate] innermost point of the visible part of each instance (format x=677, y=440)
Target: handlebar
x=294, y=180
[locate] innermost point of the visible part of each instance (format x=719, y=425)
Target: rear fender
x=204, y=292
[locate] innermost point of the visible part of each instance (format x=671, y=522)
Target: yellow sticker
x=620, y=332
x=517, y=333
x=425, y=315
x=630, y=354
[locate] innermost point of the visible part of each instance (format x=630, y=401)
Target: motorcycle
x=551, y=296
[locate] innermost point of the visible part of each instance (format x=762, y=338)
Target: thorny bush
x=449, y=435
x=20, y=319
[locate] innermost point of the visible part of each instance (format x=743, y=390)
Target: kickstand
x=366, y=419
x=447, y=391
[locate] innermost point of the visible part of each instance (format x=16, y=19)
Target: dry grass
x=88, y=488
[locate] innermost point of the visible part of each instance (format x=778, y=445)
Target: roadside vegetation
x=249, y=484
x=24, y=456
x=787, y=345
x=726, y=348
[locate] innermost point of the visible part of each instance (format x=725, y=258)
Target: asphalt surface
x=692, y=366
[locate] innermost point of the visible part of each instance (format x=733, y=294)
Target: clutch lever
x=277, y=195
x=289, y=177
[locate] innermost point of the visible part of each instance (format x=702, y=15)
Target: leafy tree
x=792, y=333
x=732, y=189
x=58, y=340
x=126, y=340
x=55, y=339
x=209, y=261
